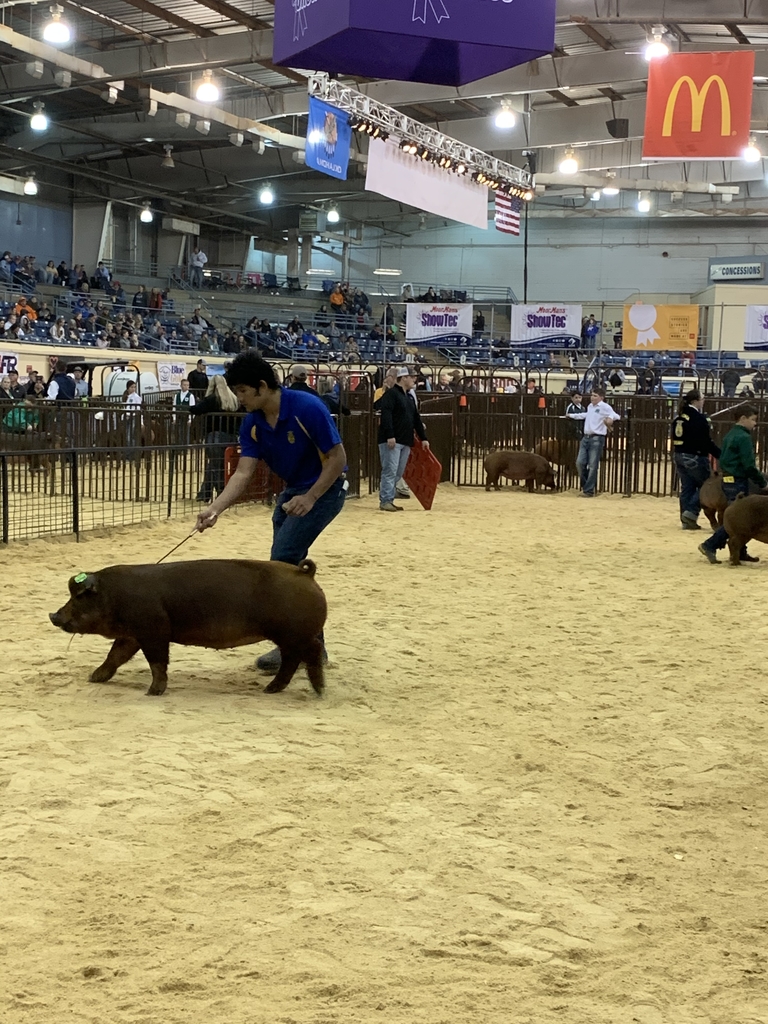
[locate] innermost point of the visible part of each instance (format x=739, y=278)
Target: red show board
x=422, y=474
x=264, y=485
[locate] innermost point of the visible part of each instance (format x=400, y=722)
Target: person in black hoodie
x=692, y=444
x=400, y=419
x=222, y=429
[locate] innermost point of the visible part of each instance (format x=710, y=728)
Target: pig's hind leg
x=289, y=662
x=120, y=652
x=314, y=662
x=157, y=654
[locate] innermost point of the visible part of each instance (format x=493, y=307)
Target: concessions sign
x=444, y=42
x=757, y=328
x=438, y=324
x=699, y=106
x=660, y=327
x=546, y=326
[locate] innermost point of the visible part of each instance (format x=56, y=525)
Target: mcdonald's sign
x=699, y=106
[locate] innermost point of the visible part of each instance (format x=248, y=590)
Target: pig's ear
x=82, y=583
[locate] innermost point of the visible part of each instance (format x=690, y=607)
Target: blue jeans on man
x=588, y=461
x=393, y=463
x=293, y=536
x=693, y=471
x=719, y=538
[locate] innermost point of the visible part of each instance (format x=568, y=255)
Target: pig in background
x=213, y=603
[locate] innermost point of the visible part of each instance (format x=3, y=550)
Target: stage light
x=528, y=196
x=30, y=186
x=569, y=164
x=751, y=154
x=266, y=195
x=167, y=160
x=505, y=117
x=656, y=49
x=38, y=122
x=57, y=31
x=207, y=91
x=461, y=168
x=146, y=216
x=333, y=216
x=643, y=202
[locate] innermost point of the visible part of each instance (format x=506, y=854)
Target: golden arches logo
x=698, y=102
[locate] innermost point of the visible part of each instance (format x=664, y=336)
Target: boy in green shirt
x=737, y=466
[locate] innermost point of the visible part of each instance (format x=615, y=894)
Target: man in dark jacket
x=399, y=420
x=692, y=444
x=299, y=380
x=198, y=381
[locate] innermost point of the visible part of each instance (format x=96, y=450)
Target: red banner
x=699, y=106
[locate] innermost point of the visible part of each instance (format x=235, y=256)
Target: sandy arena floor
x=535, y=791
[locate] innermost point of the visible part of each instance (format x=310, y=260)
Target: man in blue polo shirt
x=292, y=431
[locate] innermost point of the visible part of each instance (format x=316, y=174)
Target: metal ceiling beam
x=594, y=181
x=233, y=14
x=597, y=37
x=737, y=34
x=119, y=26
x=170, y=18
x=563, y=97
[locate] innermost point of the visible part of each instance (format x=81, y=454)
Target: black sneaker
x=271, y=661
x=748, y=558
x=689, y=524
x=710, y=556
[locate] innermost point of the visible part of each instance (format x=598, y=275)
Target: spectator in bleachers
x=388, y=317
x=730, y=378
x=62, y=273
x=376, y=334
x=12, y=328
x=58, y=330
x=140, y=300
x=648, y=379
x=48, y=274
x=45, y=314
x=6, y=269
x=197, y=262
x=17, y=391
x=102, y=276
x=117, y=294
x=5, y=389
x=322, y=319
x=156, y=299
x=336, y=300
x=478, y=324
x=430, y=295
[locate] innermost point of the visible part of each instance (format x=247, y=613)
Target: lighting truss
x=425, y=143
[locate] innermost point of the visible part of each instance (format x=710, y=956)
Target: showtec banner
x=406, y=179
x=443, y=42
x=546, y=326
x=438, y=324
x=757, y=328
x=329, y=138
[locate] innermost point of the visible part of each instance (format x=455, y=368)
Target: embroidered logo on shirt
x=291, y=437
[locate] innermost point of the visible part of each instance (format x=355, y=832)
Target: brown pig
x=744, y=520
x=211, y=603
x=518, y=466
x=713, y=500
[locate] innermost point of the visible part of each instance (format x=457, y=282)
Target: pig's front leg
x=157, y=654
x=120, y=652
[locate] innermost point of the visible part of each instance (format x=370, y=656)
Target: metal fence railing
x=82, y=473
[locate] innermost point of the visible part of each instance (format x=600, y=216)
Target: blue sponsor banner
x=329, y=138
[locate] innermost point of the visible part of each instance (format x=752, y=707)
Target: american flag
x=508, y=214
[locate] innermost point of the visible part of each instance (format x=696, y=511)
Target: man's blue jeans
x=719, y=538
x=588, y=461
x=293, y=536
x=693, y=471
x=393, y=463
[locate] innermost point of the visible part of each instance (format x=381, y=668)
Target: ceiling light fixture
x=207, y=91
x=167, y=160
x=315, y=137
x=751, y=154
x=569, y=164
x=30, y=186
x=146, y=216
x=57, y=31
x=266, y=195
x=388, y=272
x=611, y=190
x=656, y=49
x=643, y=202
x=38, y=122
x=333, y=216
x=596, y=196
x=505, y=117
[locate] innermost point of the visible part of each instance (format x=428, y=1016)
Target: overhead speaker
x=618, y=127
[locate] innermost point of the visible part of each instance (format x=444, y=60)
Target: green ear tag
x=81, y=577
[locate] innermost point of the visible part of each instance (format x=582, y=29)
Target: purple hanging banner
x=442, y=42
